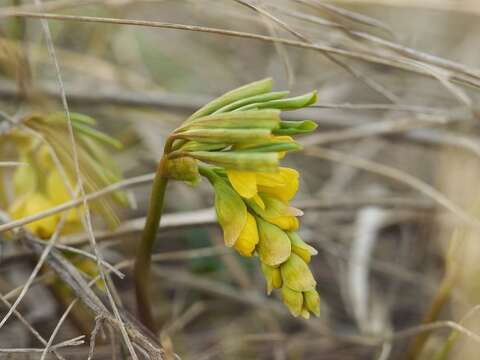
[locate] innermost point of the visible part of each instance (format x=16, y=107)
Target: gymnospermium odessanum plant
x=236, y=142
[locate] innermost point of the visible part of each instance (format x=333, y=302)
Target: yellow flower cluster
x=38, y=187
x=41, y=182
x=237, y=141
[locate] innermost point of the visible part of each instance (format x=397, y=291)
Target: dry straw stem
x=86, y=217
x=466, y=77
x=350, y=69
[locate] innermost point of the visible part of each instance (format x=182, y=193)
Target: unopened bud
x=296, y=274
x=274, y=246
x=293, y=300
x=273, y=277
x=184, y=169
x=301, y=248
x=236, y=160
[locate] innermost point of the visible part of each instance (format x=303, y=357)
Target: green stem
x=145, y=247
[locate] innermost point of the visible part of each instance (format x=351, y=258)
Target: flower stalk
x=145, y=247
x=236, y=142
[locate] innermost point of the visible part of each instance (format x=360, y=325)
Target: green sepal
x=239, y=160
x=295, y=127
x=229, y=136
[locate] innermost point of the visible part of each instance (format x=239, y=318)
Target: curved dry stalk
x=384, y=59
x=86, y=217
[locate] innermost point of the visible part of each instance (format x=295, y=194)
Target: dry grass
x=388, y=181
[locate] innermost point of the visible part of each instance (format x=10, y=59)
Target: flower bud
x=296, y=274
x=229, y=136
x=293, y=300
x=273, y=277
x=292, y=103
x=255, y=119
x=312, y=301
x=231, y=211
x=235, y=160
x=301, y=248
x=184, y=169
x=252, y=89
x=274, y=246
x=248, y=238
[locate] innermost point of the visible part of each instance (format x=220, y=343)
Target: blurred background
x=389, y=181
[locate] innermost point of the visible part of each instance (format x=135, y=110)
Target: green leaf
x=97, y=135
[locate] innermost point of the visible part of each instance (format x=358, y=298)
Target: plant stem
x=145, y=247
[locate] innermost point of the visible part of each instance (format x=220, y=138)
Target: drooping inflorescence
x=236, y=142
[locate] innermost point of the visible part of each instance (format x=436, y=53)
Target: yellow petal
x=244, y=182
x=58, y=194
x=289, y=223
x=32, y=204
x=25, y=179
x=258, y=200
x=248, y=239
x=283, y=185
x=231, y=211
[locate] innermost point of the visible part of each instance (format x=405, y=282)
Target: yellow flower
x=282, y=184
x=58, y=194
x=248, y=238
x=34, y=203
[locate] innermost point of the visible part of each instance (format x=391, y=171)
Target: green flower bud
x=293, y=103
x=296, y=274
x=231, y=211
x=293, y=300
x=184, y=169
x=252, y=89
x=301, y=248
x=255, y=119
x=274, y=246
x=229, y=136
x=235, y=160
x=274, y=95
x=273, y=277
x=312, y=301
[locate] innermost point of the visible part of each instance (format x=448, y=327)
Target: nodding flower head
x=237, y=142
